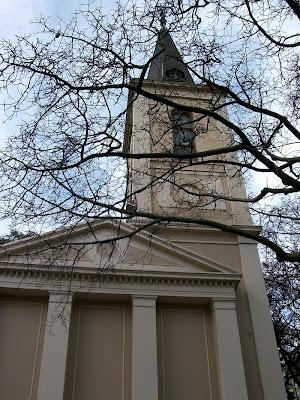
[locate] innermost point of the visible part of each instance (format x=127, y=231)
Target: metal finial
x=163, y=20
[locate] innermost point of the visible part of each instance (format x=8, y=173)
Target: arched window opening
x=183, y=135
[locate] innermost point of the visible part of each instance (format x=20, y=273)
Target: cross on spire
x=163, y=21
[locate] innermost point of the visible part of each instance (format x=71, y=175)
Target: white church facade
x=172, y=312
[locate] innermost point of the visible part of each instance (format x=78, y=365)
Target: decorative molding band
x=205, y=242
x=124, y=277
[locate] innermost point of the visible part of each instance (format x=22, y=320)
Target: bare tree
x=67, y=86
x=283, y=290
x=282, y=282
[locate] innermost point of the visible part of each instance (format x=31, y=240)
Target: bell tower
x=188, y=179
x=181, y=167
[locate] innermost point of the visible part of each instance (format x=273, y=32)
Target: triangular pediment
x=108, y=245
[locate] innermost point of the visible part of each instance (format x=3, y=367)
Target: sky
x=16, y=18
x=15, y=15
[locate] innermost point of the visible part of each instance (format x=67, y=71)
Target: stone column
x=54, y=356
x=228, y=350
x=144, y=345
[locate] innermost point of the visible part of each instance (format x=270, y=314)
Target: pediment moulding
x=48, y=239
x=142, y=250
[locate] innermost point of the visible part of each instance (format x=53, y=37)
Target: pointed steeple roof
x=168, y=65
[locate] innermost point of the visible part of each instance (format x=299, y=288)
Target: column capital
x=58, y=295
x=222, y=304
x=143, y=301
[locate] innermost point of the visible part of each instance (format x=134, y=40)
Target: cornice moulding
x=121, y=277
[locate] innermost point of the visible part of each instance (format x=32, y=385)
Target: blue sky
x=16, y=15
x=17, y=18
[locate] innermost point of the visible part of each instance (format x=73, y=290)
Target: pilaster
x=228, y=349
x=54, y=357
x=267, y=353
x=144, y=345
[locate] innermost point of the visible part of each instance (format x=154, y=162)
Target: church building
x=143, y=309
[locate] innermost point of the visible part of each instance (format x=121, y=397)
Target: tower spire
x=168, y=64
